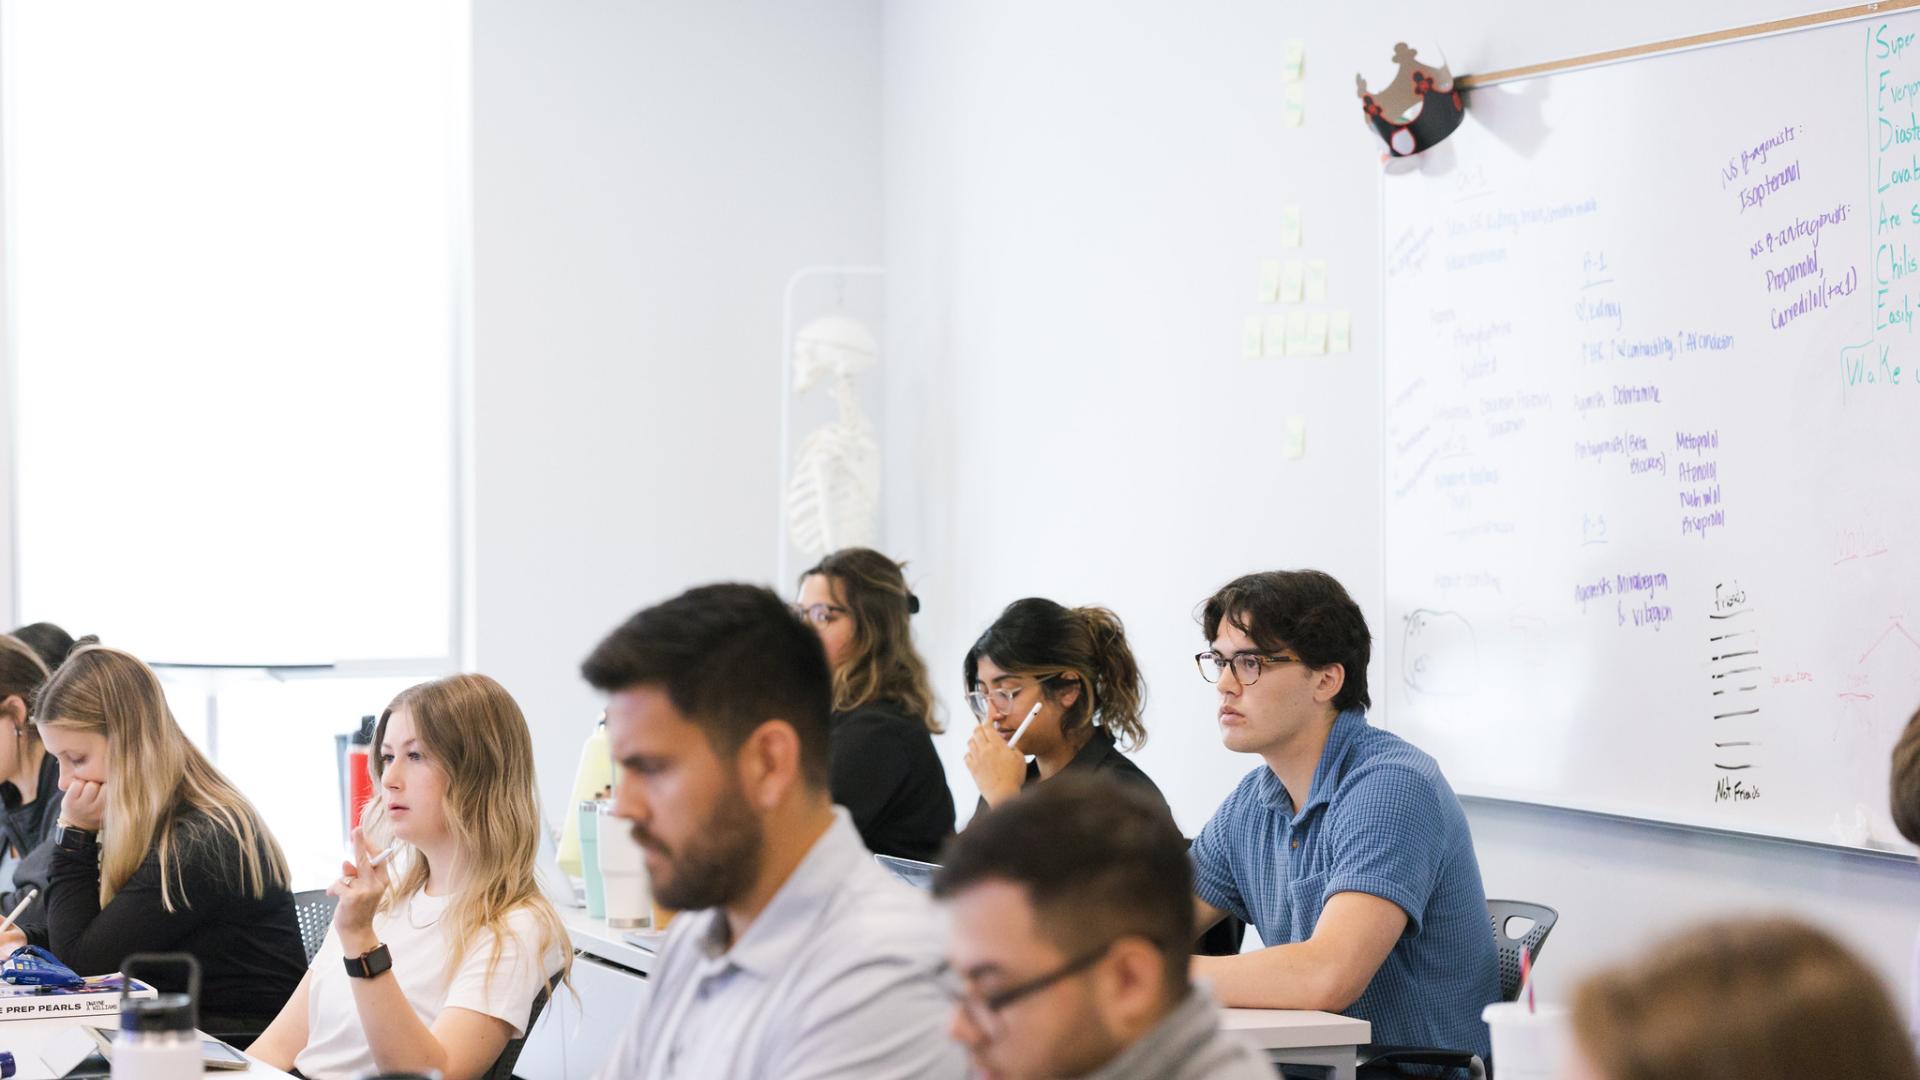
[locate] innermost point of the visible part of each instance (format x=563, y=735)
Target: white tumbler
x=1528, y=1044
x=623, y=875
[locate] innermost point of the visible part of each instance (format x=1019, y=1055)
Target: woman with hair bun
x=1074, y=663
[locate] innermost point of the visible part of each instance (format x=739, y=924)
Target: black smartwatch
x=373, y=963
x=75, y=839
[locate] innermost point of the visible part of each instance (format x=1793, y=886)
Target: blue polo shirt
x=1380, y=820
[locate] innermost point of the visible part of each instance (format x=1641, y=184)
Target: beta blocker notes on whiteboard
x=1652, y=421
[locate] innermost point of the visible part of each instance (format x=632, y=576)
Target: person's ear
x=769, y=764
x=1067, y=690
x=1328, y=681
x=13, y=713
x=1133, y=983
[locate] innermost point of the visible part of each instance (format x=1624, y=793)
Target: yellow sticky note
x=1316, y=333
x=1295, y=447
x=1296, y=61
x=1340, y=332
x=1294, y=115
x=1292, y=280
x=1274, y=341
x=1296, y=331
x=1290, y=226
x=1269, y=280
x=1250, y=337
x=1316, y=287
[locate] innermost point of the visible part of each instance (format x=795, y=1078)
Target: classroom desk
x=24, y=1039
x=1300, y=1037
x=610, y=973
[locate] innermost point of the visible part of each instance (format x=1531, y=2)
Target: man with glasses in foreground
x=1071, y=911
x=1346, y=848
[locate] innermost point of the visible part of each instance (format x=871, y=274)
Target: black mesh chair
x=313, y=910
x=503, y=1065
x=1379, y=1062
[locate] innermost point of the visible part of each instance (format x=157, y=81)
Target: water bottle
x=590, y=859
x=158, y=1037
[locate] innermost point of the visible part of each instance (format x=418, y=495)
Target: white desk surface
x=595, y=938
x=1288, y=1029
x=24, y=1038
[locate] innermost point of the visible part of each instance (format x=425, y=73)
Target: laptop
x=912, y=871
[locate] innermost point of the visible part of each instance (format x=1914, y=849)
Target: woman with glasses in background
x=1074, y=664
x=882, y=765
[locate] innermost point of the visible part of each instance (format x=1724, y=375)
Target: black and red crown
x=1418, y=109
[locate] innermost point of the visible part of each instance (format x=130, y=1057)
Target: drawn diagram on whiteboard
x=1874, y=701
x=1439, y=653
x=1734, y=677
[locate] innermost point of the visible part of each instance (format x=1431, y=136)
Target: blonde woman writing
x=436, y=956
x=156, y=851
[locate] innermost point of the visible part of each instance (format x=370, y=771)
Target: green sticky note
x=1316, y=333
x=1295, y=446
x=1290, y=226
x=1292, y=279
x=1296, y=332
x=1269, y=280
x=1316, y=286
x=1274, y=342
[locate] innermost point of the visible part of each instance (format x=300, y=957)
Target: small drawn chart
x=1735, y=675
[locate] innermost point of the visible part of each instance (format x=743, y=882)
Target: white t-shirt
x=337, y=1041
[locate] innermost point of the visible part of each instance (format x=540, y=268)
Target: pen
x=7, y=923
x=1014, y=742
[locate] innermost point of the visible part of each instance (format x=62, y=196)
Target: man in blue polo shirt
x=1346, y=849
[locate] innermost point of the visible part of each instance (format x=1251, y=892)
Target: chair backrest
x=503, y=1065
x=313, y=910
x=1541, y=919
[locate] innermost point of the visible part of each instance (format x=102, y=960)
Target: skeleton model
x=833, y=494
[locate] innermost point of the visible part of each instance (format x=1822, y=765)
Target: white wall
x=646, y=176
x=1079, y=195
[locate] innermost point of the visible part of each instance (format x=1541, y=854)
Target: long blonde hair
x=474, y=731
x=157, y=774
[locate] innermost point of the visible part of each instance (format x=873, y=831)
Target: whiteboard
x=1651, y=411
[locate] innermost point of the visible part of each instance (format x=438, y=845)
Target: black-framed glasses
x=983, y=1010
x=819, y=614
x=1246, y=666
x=980, y=700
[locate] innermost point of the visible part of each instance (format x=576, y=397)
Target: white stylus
x=392, y=850
x=1014, y=743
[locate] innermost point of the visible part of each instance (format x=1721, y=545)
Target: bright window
x=234, y=234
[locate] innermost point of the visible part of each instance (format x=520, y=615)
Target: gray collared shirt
x=1188, y=1045
x=835, y=978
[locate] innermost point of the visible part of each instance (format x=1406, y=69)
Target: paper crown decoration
x=1418, y=109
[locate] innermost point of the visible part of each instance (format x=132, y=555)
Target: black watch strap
x=373, y=963
x=75, y=839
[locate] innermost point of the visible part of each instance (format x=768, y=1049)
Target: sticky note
x=1296, y=333
x=1250, y=337
x=1294, y=115
x=1296, y=94
x=1295, y=447
x=1292, y=279
x=1274, y=342
x=1290, y=226
x=1296, y=58
x=1269, y=280
x=1316, y=334
x=1340, y=332
x=1316, y=286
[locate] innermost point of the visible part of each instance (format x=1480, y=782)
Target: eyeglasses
x=819, y=614
x=980, y=700
x=1246, y=666
x=983, y=1010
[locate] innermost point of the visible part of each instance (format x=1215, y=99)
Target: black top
x=883, y=768
x=28, y=828
x=1099, y=755
x=249, y=950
